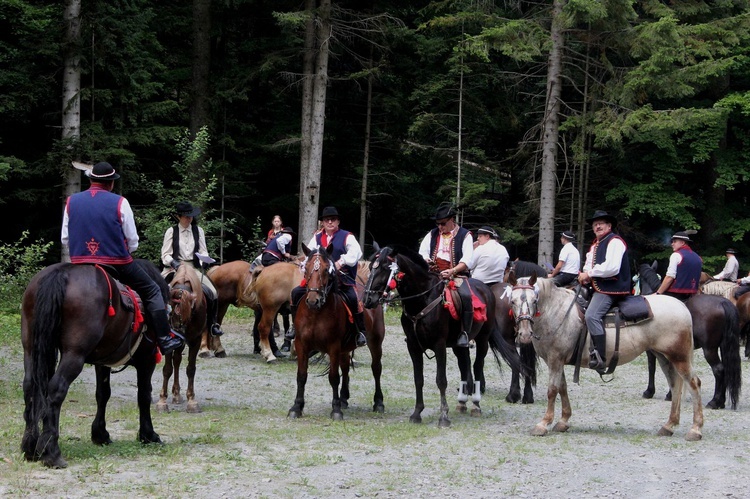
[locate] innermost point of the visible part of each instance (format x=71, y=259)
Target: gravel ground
x=243, y=445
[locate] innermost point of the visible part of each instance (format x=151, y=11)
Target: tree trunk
x=200, y=114
x=365, y=163
x=550, y=138
x=71, y=97
x=307, y=218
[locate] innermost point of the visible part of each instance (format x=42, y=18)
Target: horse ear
x=375, y=246
x=329, y=249
x=305, y=249
x=512, y=278
x=532, y=279
x=654, y=265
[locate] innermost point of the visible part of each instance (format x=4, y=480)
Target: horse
x=265, y=289
x=188, y=317
x=720, y=288
x=544, y=316
x=743, y=307
x=523, y=268
x=85, y=315
x=716, y=330
x=323, y=324
x=429, y=326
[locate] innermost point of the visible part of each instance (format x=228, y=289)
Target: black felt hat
x=185, y=209
x=602, y=215
x=486, y=229
x=684, y=235
x=329, y=212
x=569, y=235
x=102, y=172
x=445, y=210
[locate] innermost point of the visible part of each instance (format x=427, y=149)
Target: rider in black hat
x=607, y=268
x=684, y=271
x=95, y=225
x=183, y=250
x=731, y=268
x=569, y=262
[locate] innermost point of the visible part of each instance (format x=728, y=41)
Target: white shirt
x=467, y=248
x=674, y=260
x=731, y=269
x=187, y=245
x=489, y=261
x=353, y=250
x=282, y=240
x=571, y=259
x=126, y=218
x=612, y=260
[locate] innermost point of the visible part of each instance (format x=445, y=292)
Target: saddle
x=452, y=300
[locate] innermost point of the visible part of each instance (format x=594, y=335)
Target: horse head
x=647, y=278
x=185, y=293
x=320, y=275
x=524, y=300
x=383, y=268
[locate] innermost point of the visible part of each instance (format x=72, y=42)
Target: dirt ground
x=243, y=445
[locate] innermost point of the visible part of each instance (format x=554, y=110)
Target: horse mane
x=411, y=255
x=648, y=276
x=184, y=276
x=523, y=268
x=720, y=288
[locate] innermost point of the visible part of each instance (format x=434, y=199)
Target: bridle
x=176, y=313
x=316, y=267
x=525, y=312
x=396, y=276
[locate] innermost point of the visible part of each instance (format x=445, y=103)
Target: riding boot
x=359, y=321
x=290, y=332
x=598, y=352
x=212, y=315
x=167, y=338
x=466, y=321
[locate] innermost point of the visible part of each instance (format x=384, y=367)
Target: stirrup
x=289, y=334
x=361, y=339
x=596, y=362
x=216, y=330
x=463, y=340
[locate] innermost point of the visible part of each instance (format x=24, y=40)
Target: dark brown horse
x=79, y=313
x=743, y=307
x=429, y=326
x=188, y=317
x=323, y=324
x=238, y=285
x=716, y=330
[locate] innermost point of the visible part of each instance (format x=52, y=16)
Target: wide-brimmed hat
x=329, y=212
x=185, y=209
x=102, y=172
x=684, y=235
x=569, y=235
x=731, y=250
x=288, y=230
x=445, y=210
x=486, y=229
x=602, y=215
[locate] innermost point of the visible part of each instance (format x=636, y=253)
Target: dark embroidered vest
x=688, y=272
x=618, y=284
x=456, y=249
x=176, y=244
x=95, y=228
x=339, y=248
x=273, y=247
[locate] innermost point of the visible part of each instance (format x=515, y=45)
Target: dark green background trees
x=653, y=120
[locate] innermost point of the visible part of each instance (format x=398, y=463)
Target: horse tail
x=46, y=331
x=508, y=352
x=730, y=352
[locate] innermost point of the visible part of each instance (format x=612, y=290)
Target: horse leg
x=566, y=411
x=375, y=344
x=528, y=359
x=334, y=378
x=651, y=388
x=206, y=346
x=418, y=366
x=176, y=387
x=720, y=383
x=166, y=373
x=192, y=405
x=467, y=384
x=479, y=382
x=219, y=350
x=302, y=360
x=264, y=329
x=514, y=393
x=553, y=387
x=144, y=373
x=344, y=392
x=678, y=372
x=442, y=382
x=48, y=447
x=99, y=433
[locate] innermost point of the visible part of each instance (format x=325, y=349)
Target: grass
x=242, y=444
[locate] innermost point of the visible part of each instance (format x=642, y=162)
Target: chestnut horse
x=323, y=324
x=545, y=316
x=429, y=326
x=84, y=315
x=265, y=289
x=716, y=330
x=188, y=317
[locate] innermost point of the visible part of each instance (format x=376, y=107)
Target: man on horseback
x=490, y=257
x=98, y=227
x=182, y=250
x=449, y=249
x=684, y=271
x=277, y=249
x=569, y=262
x=731, y=268
x=346, y=255
x=607, y=268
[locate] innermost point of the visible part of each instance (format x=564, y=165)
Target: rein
x=325, y=290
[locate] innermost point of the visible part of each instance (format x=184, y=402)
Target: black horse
x=78, y=312
x=428, y=325
x=716, y=330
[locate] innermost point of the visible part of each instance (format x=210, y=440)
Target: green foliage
x=19, y=262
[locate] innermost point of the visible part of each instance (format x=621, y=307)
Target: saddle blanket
x=452, y=301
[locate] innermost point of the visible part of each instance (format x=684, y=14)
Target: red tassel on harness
x=111, y=311
x=303, y=283
x=392, y=284
x=158, y=355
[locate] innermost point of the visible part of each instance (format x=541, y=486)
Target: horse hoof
x=538, y=431
x=461, y=408
x=337, y=416
x=162, y=407
x=204, y=353
x=378, y=408
x=444, y=423
x=648, y=394
x=270, y=359
x=294, y=414
x=177, y=399
x=57, y=464
x=221, y=354
x=561, y=427
x=415, y=419
x=476, y=412
x=664, y=432
x=193, y=408
x=714, y=405
x=529, y=400
x=512, y=399
x=668, y=397
x=693, y=436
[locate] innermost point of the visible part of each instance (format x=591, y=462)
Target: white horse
x=546, y=316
